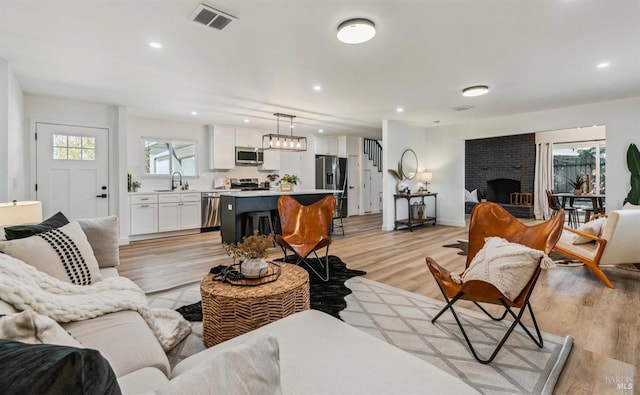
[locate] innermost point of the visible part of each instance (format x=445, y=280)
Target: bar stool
x=338, y=214
x=257, y=219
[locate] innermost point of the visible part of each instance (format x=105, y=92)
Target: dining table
x=596, y=199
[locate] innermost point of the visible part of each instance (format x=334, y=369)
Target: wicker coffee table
x=231, y=310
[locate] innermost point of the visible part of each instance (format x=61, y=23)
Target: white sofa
x=616, y=243
x=317, y=354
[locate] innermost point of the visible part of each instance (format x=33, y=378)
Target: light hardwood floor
x=567, y=301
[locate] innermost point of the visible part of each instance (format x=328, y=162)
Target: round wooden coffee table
x=231, y=310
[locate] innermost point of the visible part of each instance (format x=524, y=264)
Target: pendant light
x=276, y=141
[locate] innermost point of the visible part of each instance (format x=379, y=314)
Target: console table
x=410, y=221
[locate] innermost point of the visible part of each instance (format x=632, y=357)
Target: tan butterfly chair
x=488, y=220
x=306, y=229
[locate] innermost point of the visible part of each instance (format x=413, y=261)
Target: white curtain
x=543, y=179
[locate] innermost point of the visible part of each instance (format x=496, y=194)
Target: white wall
x=396, y=138
x=445, y=147
x=13, y=182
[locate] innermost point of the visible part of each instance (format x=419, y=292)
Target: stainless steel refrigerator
x=331, y=173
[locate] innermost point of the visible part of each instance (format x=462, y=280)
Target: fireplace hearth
x=500, y=190
x=500, y=166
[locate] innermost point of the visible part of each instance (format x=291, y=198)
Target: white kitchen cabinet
x=191, y=213
x=326, y=146
x=271, y=160
x=222, y=150
x=248, y=138
x=144, y=214
x=178, y=211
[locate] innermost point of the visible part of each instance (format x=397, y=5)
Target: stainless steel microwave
x=249, y=156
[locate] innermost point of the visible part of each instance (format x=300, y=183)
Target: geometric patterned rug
x=403, y=319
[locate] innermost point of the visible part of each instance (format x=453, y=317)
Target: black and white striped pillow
x=63, y=253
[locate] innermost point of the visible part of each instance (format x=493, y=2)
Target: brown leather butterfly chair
x=487, y=220
x=305, y=229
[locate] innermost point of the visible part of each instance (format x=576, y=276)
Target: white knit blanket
x=26, y=288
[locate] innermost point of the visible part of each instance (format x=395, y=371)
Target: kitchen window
x=164, y=157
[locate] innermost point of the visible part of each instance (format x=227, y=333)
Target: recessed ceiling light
x=603, y=65
x=320, y=131
x=194, y=113
x=400, y=109
x=317, y=88
x=473, y=91
x=246, y=121
x=155, y=45
x=356, y=31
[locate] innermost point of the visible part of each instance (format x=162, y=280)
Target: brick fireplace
x=500, y=166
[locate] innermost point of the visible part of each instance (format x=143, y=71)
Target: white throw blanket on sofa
x=26, y=288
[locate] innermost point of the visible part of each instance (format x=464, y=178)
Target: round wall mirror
x=409, y=163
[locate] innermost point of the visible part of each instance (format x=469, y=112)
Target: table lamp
x=425, y=177
x=17, y=213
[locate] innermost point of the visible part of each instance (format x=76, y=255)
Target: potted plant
x=272, y=178
x=287, y=182
x=577, y=184
x=251, y=252
x=633, y=163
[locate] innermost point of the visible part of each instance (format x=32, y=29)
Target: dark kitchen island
x=234, y=206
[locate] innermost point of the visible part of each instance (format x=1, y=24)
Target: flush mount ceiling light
x=356, y=31
x=155, y=45
x=473, y=91
x=603, y=65
x=282, y=142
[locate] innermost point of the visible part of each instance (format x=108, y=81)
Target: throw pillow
x=471, y=196
x=592, y=227
x=33, y=328
x=63, y=253
x=22, y=231
x=52, y=369
x=248, y=368
x=629, y=206
x=103, y=234
x=508, y=266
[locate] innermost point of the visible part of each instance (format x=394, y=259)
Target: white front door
x=72, y=170
x=353, y=200
x=366, y=192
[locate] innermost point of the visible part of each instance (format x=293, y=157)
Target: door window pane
x=68, y=147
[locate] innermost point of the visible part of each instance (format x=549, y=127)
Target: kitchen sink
x=164, y=190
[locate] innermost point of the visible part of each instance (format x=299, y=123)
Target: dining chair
x=491, y=220
x=306, y=229
x=555, y=206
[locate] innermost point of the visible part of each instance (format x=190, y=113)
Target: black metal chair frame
x=517, y=321
x=301, y=259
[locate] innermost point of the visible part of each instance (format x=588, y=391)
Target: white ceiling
x=534, y=55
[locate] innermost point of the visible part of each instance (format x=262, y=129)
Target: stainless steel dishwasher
x=210, y=211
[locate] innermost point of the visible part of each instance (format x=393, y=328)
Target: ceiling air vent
x=211, y=17
x=462, y=108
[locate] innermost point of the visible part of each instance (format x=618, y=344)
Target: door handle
x=103, y=196
x=351, y=187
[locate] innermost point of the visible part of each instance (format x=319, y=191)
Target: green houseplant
x=290, y=178
x=577, y=184
x=633, y=162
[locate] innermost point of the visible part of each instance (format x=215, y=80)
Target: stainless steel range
x=247, y=184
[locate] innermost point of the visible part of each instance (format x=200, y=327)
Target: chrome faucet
x=173, y=181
